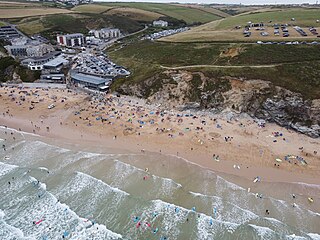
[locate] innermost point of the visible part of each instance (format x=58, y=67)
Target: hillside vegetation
x=32, y=18
x=291, y=67
x=10, y=10
x=224, y=29
x=303, y=18
x=189, y=15
x=91, y=8
x=50, y=25
x=135, y=14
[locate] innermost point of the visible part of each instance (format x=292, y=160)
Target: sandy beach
x=235, y=145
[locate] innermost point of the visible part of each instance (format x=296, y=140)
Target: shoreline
x=254, y=158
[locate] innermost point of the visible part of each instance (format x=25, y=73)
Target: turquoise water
x=56, y=192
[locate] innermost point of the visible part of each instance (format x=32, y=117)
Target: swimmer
x=138, y=225
x=267, y=212
x=211, y=222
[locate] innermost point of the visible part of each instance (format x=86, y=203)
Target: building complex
x=71, y=40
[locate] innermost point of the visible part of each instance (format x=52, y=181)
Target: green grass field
x=135, y=14
x=303, y=18
x=224, y=29
x=189, y=15
x=293, y=67
x=50, y=25
x=91, y=8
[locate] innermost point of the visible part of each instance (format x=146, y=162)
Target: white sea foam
x=295, y=237
x=2, y=214
x=21, y=132
x=123, y=170
x=11, y=232
x=43, y=186
x=308, y=184
x=6, y=168
x=314, y=236
x=263, y=232
x=48, y=212
x=87, y=178
x=234, y=214
x=230, y=185
x=273, y=220
x=173, y=217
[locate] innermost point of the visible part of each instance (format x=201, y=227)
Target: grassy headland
x=224, y=29
x=187, y=14
x=293, y=67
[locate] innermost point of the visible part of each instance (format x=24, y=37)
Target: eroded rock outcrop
x=184, y=90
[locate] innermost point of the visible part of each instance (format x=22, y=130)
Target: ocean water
x=66, y=193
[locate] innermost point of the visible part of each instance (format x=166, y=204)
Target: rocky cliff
x=262, y=99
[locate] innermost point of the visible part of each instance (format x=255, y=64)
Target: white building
x=71, y=40
x=106, y=33
x=93, y=40
x=29, y=50
x=160, y=23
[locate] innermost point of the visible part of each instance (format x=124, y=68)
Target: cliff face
x=261, y=99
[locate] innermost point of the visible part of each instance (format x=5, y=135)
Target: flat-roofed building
x=8, y=32
x=29, y=50
x=36, y=63
x=71, y=40
x=160, y=23
x=89, y=81
x=55, y=63
x=53, y=78
x=106, y=33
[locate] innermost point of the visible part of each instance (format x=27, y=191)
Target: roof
x=159, y=21
x=89, y=78
x=104, y=87
x=56, y=62
x=109, y=29
x=72, y=35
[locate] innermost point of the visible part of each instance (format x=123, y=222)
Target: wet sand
x=129, y=124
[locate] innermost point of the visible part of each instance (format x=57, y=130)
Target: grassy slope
x=304, y=18
x=223, y=30
x=206, y=8
x=91, y=8
x=189, y=15
x=69, y=23
x=135, y=14
x=298, y=70
x=86, y=17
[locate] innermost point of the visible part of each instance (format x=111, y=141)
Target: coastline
x=251, y=148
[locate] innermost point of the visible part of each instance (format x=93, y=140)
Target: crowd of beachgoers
x=236, y=144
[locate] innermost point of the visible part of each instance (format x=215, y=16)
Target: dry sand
x=249, y=151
